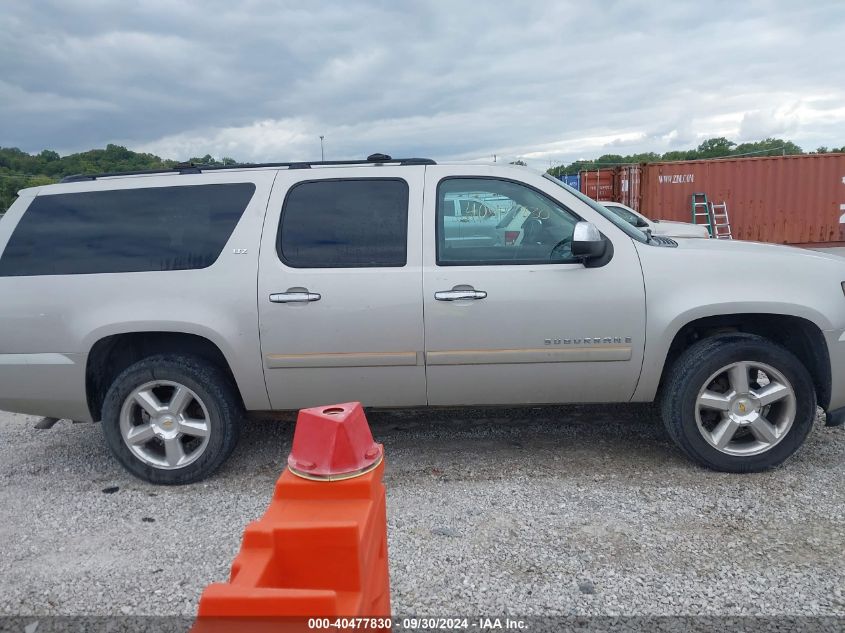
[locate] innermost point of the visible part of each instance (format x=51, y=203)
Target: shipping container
x=781, y=199
x=628, y=182
x=573, y=180
x=599, y=184
x=620, y=184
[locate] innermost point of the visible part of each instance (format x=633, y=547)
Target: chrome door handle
x=458, y=295
x=295, y=297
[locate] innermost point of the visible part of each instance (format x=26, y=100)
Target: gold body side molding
x=354, y=359
x=592, y=353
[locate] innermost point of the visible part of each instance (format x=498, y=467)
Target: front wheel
x=171, y=419
x=738, y=403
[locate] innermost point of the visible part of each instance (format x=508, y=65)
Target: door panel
x=535, y=332
x=335, y=334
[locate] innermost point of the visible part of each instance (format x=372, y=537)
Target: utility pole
x=322, y=153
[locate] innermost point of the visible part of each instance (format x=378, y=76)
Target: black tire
x=696, y=364
x=212, y=385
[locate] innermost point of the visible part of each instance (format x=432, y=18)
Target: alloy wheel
x=165, y=424
x=745, y=408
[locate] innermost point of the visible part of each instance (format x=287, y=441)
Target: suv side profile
x=169, y=304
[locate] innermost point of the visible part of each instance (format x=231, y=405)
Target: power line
x=762, y=151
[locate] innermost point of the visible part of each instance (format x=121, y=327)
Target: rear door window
x=350, y=223
x=125, y=230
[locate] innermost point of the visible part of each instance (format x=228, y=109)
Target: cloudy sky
x=545, y=81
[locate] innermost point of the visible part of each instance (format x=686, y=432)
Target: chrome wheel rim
x=745, y=408
x=165, y=424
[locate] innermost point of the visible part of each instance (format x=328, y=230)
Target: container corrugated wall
x=599, y=184
x=628, y=185
x=783, y=199
x=620, y=184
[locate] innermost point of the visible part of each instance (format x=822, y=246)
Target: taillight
x=511, y=237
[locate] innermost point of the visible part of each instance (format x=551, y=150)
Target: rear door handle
x=458, y=295
x=295, y=297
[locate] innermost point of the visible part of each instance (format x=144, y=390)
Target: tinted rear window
x=126, y=230
x=345, y=224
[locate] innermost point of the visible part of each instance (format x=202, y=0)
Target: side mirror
x=587, y=242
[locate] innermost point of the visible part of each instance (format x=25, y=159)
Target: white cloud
x=552, y=81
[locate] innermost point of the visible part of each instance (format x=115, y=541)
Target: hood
x=679, y=229
x=728, y=248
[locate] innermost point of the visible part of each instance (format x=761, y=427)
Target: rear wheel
x=171, y=419
x=738, y=403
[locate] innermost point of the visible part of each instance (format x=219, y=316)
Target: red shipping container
x=782, y=199
x=599, y=184
x=628, y=180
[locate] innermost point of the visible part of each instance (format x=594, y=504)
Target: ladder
x=701, y=209
x=721, y=223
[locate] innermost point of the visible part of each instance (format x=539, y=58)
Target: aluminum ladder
x=701, y=209
x=721, y=222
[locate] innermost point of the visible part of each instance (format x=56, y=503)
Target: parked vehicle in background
x=170, y=303
x=469, y=218
x=658, y=227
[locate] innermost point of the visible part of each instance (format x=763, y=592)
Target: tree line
x=711, y=148
x=19, y=169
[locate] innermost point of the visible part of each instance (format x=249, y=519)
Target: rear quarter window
x=125, y=230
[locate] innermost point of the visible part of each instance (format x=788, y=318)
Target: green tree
x=715, y=148
x=768, y=147
x=19, y=170
x=718, y=147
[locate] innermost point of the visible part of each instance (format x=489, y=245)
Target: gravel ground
x=576, y=510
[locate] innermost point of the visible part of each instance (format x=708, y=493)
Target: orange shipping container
x=599, y=184
x=783, y=199
x=620, y=184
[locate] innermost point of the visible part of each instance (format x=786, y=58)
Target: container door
x=339, y=288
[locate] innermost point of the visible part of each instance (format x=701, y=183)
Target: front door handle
x=295, y=296
x=459, y=295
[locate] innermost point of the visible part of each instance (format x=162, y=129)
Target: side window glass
x=501, y=222
x=345, y=223
x=125, y=230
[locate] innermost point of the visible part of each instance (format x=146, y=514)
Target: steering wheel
x=562, y=250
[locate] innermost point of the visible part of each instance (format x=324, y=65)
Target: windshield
x=628, y=216
x=631, y=231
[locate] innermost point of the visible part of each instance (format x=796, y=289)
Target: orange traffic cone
x=320, y=550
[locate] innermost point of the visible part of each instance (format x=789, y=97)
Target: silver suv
x=169, y=304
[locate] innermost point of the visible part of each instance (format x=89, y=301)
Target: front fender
x=660, y=337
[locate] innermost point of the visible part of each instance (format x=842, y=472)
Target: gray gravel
x=576, y=510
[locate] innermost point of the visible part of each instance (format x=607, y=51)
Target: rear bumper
x=50, y=385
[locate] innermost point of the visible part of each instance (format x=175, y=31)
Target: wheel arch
x=801, y=336
x=112, y=354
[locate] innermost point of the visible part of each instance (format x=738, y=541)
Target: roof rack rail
x=192, y=168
